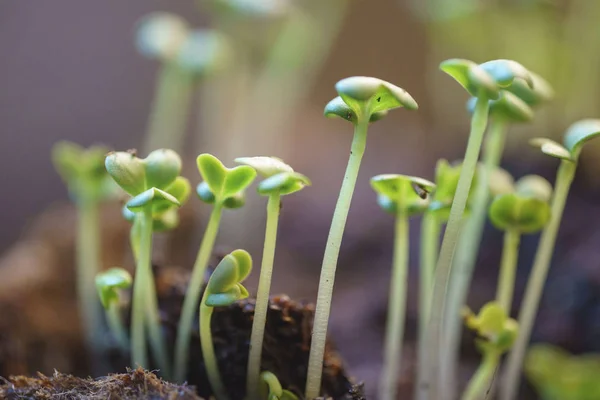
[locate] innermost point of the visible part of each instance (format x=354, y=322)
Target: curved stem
x=332, y=250
x=467, y=248
x=153, y=324
x=192, y=295
x=508, y=268
x=262, y=298
x=115, y=324
x=208, y=352
x=392, y=351
x=430, y=372
x=482, y=380
x=537, y=279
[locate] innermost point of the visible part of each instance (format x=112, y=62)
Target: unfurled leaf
x=501, y=182
x=579, y=133
x=551, y=148
x=109, y=282
x=237, y=180
x=128, y=171
x=508, y=106
x=212, y=171
x=471, y=77
x=523, y=213
x=265, y=166
x=534, y=186
x=155, y=197
x=283, y=183
x=540, y=92
x=407, y=193
x=505, y=72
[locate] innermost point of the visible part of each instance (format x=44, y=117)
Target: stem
x=394, y=335
x=154, y=326
x=535, y=285
x=138, y=339
x=430, y=372
x=208, y=352
x=466, y=253
x=192, y=295
x=430, y=243
x=482, y=380
x=508, y=268
x=334, y=240
x=262, y=298
x=115, y=324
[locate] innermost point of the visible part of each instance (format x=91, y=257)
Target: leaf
x=256, y=8
x=338, y=108
x=236, y=201
x=127, y=171
x=579, y=133
x=508, y=106
x=236, y=180
x=505, y=72
x=523, y=213
x=204, y=193
x=155, y=197
x=551, y=148
x=534, y=186
x=162, y=167
x=108, y=282
x=471, y=77
x=225, y=298
x=541, y=92
x=408, y=193
x=501, y=182
x=232, y=270
x=66, y=157
x=161, y=35
x=203, y=51
x=270, y=387
x=491, y=319
x=283, y=183
x=244, y=263
x=212, y=171
x=265, y=166
x=387, y=204
x=165, y=221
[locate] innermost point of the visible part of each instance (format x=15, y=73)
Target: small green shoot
x=280, y=180
x=403, y=196
x=361, y=100
x=224, y=188
x=108, y=285
x=223, y=289
x=270, y=388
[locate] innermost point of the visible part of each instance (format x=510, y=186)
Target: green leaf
x=204, y=193
x=387, y=204
x=226, y=298
x=180, y=189
x=236, y=180
x=109, y=282
x=161, y=35
x=236, y=201
x=283, y=183
x=229, y=273
x=244, y=263
x=265, y=166
x=255, y=8
x=165, y=221
x=551, y=148
x=540, y=92
x=408, y=193
x=338, y=108
x=523, y=213
x=505, y=72
x=162, y=167
x=155, y=197
x=508, y=106
x=212, y=171
x=534, y=186
x=471, y=77
x=579, y=133
x=270, y=387
x=203, y=51
x=491, y=319
x=127, y=171
x=501, y=182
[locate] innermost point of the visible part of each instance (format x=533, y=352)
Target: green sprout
x=147, y=181
x=88, y=183
x=527, y=210
x=575, y=137
x=223, y=289
x=280, y=180
x=361, y=100
x=484, y=82
x=224, y=188
x=271, y=388
x=496, y=334
x=108, y=285
x=403, y=196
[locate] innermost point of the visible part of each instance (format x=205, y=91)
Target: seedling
x=88, y=183
x=403, y=196
x=108, y=285
x=361, y=100
x=223, y=289
x=575, y=137
x=224, y=188
x=147, y=181
x=484, y=82
x=280, y=181
x=271, y=388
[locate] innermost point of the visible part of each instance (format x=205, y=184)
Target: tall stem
x=508, y=268
x=262, y=298
x=537, y=279
x=208, y=352
x=192, y=295
x=392, y=351
x=332, y=250
x=482, y=380
x=153, y=323
x=115, y=324
x=428, y=388
x=463, y=264
x=430, y=243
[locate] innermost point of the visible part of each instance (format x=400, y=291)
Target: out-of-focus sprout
x=108, y=285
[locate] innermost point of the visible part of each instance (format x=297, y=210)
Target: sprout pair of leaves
x=108, y=284
x=526, y=209
x=366, y=98
x=280, y=177
x=495, y=330
x=225, y=284
x=253, y=8
x=575, y=137
x=223, y=186
x=83, y=170
x=271, y=388
x=402, y=193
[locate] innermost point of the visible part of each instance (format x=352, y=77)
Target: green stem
x=208, y=352
x=428, y=388
x=537, y=279
x=508, y=269
x=467, y=248
x=154, y=326
x=262, y=298
x=430, y=243
x=192, y=295
x=482, y=380
x=332, y=250
x=115, y=324
x=392, y=351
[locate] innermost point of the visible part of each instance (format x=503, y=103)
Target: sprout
x=271, y=388
x=223, y=188
x=223, y=288
x=576, y=136
x=361, y=100
x=403, y=196
x=108, y=285
x=280, y=180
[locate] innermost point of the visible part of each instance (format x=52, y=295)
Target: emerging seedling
x=223, y=289
x=575, y=137
x=224, y=188
x=361, y=100
x=271, y=388
x=402, y=196
x=108, y=285
x=88, y=183
x=280, y=180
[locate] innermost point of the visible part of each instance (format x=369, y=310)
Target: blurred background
x=255, y=81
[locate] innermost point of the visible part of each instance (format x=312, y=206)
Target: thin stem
x=332, y=250
x=482, y=380
x=430, y=373
x=537, y=279
x=430, y=243
x=115, y=324
x=392, y=351
x=262, y=298
x=154, y=326
x=208, y=352
x=192, y=295
x=463, y=264
x=508, y=268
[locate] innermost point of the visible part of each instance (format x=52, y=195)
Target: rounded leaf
x=180, y=189
x=501, y=182
x=540, y=92
x=505, y=72
x=109, y=282
x=244, y=263
x=579, y=133
x=204, y=193
x=338, y=108
x=166, y=220
x=265, y=166
x=203, y=51
x=127, y=171
x=161, y=35
x=270, y=387
x=491, y=320
x=236, y=201
x=402, y=193
x=226, y=298
x=283, y=183
x=212, y=171
x=551, y=148
x=534, y=186
x=162, y=167
x=387, y=204
x=471, y=77
x=522, y=213
x=232, y=270
x=237, y=180
x=508, y=106
x=157, y=198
